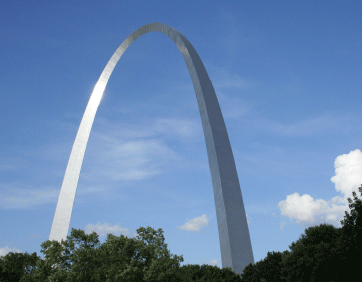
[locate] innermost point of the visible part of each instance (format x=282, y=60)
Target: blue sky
x=288, y=79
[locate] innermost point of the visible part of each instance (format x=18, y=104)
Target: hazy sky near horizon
x=287, y=75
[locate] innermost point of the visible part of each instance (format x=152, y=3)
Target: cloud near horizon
x=214, y=262
x=103, y=229
x=6, y=250
x=307, y=211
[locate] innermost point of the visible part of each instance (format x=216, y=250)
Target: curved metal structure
x=235, y=244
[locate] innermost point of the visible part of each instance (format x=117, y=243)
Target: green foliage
x=250, y=273
x=15, y=266
x=208, y=273
x=352, y=224
x=145, y=258
x=351, y=243
x=266, y=270
x=313, y=256
x=82, y=258
x=322, y=253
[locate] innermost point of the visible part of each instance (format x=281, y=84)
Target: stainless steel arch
x=235, y=244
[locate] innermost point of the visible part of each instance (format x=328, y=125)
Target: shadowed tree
x=195, y=272
x=351, y=244
x=315, y=256
x=269, y=269
x=17, y=266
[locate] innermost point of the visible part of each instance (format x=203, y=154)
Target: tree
x=16, y=266
x=323, y=253
x=210, y=273
x=314, y=256
x=82, y=258
x=249, y=273
x=145, y=258
x=351, y=244
x=269, y=269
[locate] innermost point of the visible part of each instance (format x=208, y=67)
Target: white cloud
x=307, y=211
x=186, y=129
x=305, y=127
x=27, y=198
x=133, y=152
x=228, y=87
x=233, y=107
x=6, y=249
x=170, y=127
x=139, y=159
x=212, y=262
x=282, y=224
x=348, y=168
x=91, y=190
x=195, y=224
x=4, y=167
x=228, y=80
x=16, y=198
x=104, y=229
x=130, y=160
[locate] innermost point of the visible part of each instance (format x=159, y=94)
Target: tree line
x=322, y=253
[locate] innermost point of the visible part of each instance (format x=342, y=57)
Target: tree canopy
x=81, y=257
x=322, y=253
x=16, y=266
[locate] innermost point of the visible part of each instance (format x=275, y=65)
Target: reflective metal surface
x=235, y=244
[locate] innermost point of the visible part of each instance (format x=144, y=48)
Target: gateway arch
x=234, y=237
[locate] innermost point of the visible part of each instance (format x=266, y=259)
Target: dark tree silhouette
x=351, y=243
x=269, y=269
x=15, y=266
